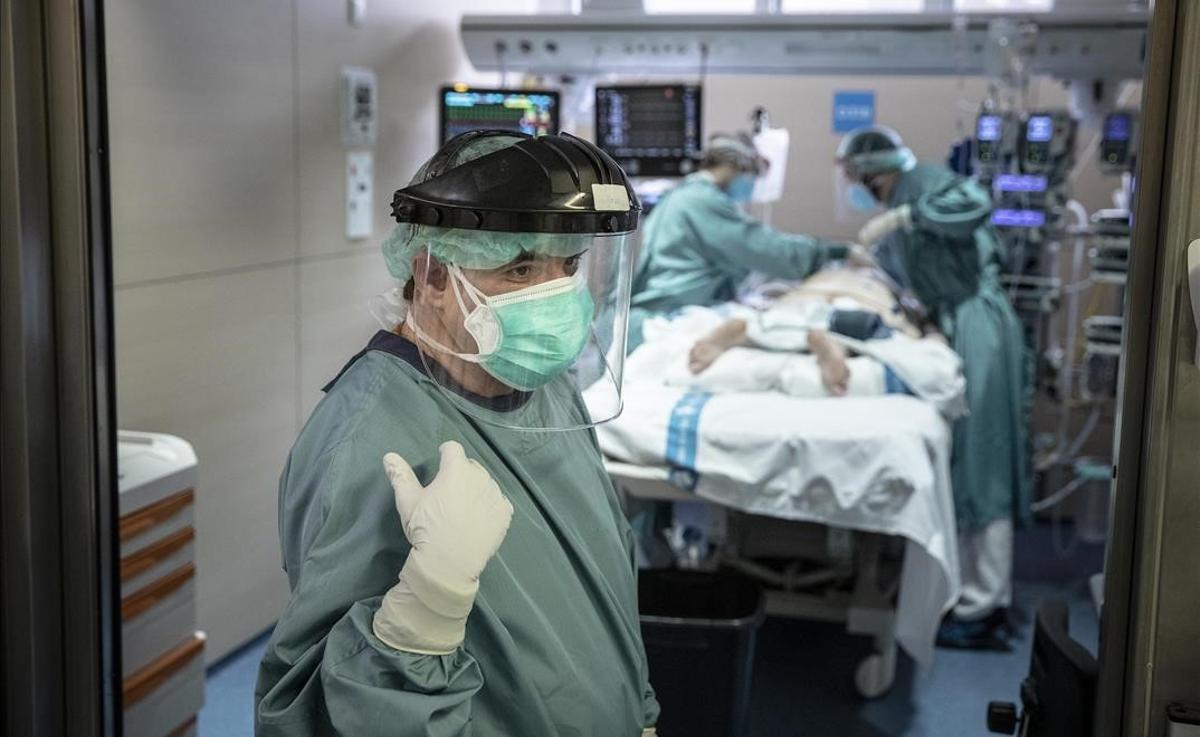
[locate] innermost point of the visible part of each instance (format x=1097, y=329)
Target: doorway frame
x=59, y=588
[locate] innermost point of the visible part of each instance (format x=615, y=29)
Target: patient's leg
x=706, y=350
x=803, y=376
x=831, y=358
x=795, y=374
x=740, y=370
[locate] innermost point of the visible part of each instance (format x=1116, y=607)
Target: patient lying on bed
x=840, y=333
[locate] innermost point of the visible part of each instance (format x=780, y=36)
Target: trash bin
x=700, y=629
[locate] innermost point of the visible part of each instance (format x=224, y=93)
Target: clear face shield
x=853, y=201
x=518, y=344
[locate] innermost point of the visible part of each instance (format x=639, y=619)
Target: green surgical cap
x=471, y=249
x=736, y=150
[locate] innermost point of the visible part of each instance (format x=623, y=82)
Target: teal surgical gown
x=951, y=260
x=698, y=245
x=553, y=645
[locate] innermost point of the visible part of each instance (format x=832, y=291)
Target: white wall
x=237, y=294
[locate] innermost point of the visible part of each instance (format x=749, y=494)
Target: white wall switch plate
x=360, y=190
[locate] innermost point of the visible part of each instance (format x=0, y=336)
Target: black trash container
x=699, y=629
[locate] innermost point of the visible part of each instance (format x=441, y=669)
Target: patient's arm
x=730, y=334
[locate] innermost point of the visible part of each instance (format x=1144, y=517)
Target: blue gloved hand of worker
x=883, y=225
x=455, y=526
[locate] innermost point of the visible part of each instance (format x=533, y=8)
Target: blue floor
x=229, y=694
x=803, y=674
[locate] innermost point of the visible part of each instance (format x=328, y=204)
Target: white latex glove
x=859, y=256
x=455, y=526
x=880, y=226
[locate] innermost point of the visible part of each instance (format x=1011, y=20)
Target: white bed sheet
x=877, y=464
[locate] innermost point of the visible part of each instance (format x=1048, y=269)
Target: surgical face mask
x=527, y=337
x=860, y=197
x=741, y=187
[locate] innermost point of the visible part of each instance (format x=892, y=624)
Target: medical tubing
x=1059, y=496
x=1085, y=432
x=1067, y=380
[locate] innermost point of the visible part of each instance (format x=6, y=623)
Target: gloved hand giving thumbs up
x=455, y=525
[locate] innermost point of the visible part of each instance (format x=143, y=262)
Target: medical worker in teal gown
x=936, y=239
x=699, y=244
x=458, y=561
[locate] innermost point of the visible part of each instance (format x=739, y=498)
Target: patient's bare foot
x=831, y=357
x=709, y=348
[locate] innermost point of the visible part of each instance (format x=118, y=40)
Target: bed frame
x=838, y=575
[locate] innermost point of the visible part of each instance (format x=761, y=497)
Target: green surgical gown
x=951, y=260
x=698, y=245
x=553, y=645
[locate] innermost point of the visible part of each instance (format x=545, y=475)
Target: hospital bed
x=858, y=488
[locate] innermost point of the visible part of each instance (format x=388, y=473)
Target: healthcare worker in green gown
x=699, y=244
x=458, y=561
x=935, y=237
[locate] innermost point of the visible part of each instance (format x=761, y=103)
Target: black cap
x=548, y=184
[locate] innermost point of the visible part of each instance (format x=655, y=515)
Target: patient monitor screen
x=989, y=128
x=650, y=130
x=525, y=111
x=1117, y=127
x=1117, y=146
x=1039, y=129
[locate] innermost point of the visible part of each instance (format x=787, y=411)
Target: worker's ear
x=431, y=278
x=723, y=174
x=875, y=184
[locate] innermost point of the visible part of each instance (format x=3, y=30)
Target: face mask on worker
x=741, y=187
x=527, y=337
x=860, y=197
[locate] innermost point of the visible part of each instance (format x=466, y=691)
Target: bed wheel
x=875, y=675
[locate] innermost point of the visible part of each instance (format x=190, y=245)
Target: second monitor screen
x=526, y=111
x=650, y=130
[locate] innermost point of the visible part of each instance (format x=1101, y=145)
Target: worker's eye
x=520, y=271
x=571, y=265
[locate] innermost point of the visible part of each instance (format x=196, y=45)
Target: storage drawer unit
x=162, y=651
x=162, y=699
